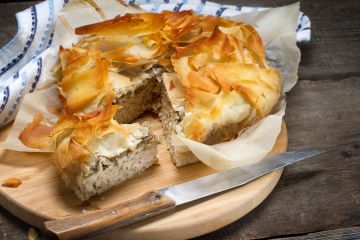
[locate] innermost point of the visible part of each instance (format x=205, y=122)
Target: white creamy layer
x=130, y=79
x=123, y=84
x=114, y=144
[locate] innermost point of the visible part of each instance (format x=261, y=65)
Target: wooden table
x=317, y=198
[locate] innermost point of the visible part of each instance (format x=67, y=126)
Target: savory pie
x=206, y=77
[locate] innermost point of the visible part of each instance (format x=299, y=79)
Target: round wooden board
x=43, y=196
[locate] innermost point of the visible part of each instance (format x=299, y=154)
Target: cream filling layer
x=113, y=144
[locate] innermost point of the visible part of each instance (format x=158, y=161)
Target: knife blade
x=165, y=199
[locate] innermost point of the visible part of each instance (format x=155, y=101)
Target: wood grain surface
x=43, y=196
x=316, y=195
x=352, y=233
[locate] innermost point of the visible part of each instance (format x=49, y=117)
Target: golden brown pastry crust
x=87, y=112
x=215, y=59
x=220, y=70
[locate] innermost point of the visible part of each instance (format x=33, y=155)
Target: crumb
x=12, y=183
x=157, y=162
x=94, y=207
x=84, y=211
x=32, y=234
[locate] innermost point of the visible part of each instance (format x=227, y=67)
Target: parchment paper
x=277, y=29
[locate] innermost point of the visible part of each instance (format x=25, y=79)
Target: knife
x=165, y=199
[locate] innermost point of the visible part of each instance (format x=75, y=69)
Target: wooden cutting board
x=43, y=196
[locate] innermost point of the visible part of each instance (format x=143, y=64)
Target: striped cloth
x=22, y=59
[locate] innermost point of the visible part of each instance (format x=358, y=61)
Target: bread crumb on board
x=157, y=162
x=11, y=182
x=32, y=234
x=91, y=206
x=94, y=206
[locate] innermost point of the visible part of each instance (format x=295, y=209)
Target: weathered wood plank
x=352, y=233
x=324, y=114
x=320, y=193
x=12, y=228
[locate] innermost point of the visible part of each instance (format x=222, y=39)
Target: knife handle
x=147, y=205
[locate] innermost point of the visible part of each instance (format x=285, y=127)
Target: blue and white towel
x=21, y=60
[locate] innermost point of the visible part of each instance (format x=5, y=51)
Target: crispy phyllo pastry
x=92, y=151
x=206, y=77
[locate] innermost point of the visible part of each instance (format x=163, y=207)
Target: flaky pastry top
x=216, y=75
x=216, y=62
